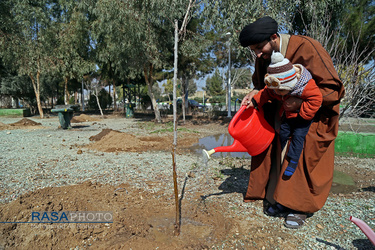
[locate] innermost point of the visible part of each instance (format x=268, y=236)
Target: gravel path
x=38, y=158
x=50, y=157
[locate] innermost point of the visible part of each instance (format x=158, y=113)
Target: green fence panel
x=15, y=112
x=355, y=144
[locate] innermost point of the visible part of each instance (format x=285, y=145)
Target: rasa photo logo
x=72, y=217
x=69, y=217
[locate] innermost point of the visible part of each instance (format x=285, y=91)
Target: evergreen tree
x=168, y=89
x=72, y=29
x=360, y=23
x=29, y=48
x=214, y=85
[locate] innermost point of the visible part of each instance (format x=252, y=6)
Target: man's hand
x=292, y=104
x=246, y=101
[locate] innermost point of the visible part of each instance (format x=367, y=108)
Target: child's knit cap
x=281, y=73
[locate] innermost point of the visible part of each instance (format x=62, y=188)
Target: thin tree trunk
x=149, y=81
x=174, y=145
x=66, y=100
x=114, y=95
x=36, y=86
x=97, y=101
x=183, y=102
x=154, y=103
x=185, y=87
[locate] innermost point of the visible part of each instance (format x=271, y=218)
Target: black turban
x=258, y=31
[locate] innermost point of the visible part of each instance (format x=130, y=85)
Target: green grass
x=155, y=128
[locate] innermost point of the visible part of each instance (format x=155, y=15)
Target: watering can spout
x=208, y=154
x=235, y=147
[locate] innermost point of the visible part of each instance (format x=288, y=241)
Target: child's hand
x=246, y=101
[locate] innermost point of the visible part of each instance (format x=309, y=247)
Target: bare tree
x=353, y=65
x=356, y=75
x=238, y=74
x=94, y=85
x=179, y=33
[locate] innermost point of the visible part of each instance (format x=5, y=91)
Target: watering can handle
x=243, y=108
x=236, y=117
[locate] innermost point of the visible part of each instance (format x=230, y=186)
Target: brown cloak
x=308, y=188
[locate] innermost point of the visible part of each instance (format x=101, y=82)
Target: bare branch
x=350, y=63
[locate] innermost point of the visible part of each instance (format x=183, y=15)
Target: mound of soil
x=83, y=118
x=25, y=122
x=21, y=124
x=141, y=220
x=109, y=140
x=103, y=133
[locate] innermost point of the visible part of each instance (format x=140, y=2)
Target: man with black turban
x=258, y=31
x=306, y=191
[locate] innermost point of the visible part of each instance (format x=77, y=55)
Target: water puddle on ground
x=214, y=141
x=342, y=183
x=163, y=228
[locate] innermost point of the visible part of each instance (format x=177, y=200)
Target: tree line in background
x=51, y=49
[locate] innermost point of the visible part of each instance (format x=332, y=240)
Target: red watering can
x=250, y=131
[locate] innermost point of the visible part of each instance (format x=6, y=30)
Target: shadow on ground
x=236, y=182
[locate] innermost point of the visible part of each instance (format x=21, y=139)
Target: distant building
x=198, y=94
